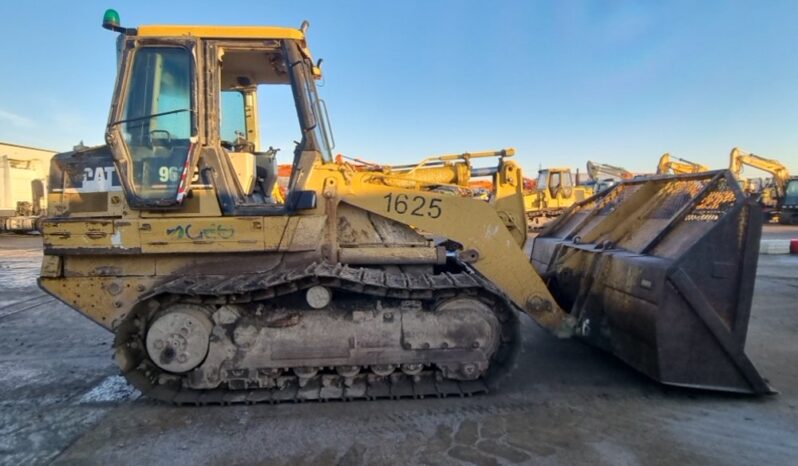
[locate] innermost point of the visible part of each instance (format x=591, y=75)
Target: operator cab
x=791, y=195
x=556, y=180
x=212, y=107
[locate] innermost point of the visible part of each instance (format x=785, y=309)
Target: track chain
x=223, y=289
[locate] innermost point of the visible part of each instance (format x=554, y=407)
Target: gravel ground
x=62, y=402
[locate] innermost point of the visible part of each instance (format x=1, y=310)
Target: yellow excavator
x=603, y=175
x=364, y=283
x=773, y=196
x=678, y=166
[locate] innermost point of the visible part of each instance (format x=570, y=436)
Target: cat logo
x=100, y=179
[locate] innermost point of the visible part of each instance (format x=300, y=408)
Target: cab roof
x=220, y=32
x=230, y=32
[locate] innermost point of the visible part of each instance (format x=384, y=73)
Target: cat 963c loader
x=362, y=284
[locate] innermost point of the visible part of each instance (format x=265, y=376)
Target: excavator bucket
x=660, y=272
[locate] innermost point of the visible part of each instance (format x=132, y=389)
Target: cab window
x=791, y=194
x=258, y=120
x=555, y=181
x=233, y=119
x=543, y=181
x=567, y=181
x=156, y=122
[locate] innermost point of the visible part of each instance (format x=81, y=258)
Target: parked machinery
x=22, y=193
x=678, y=166
x=554, y=192
x=366, y=284
x=771, y=194
x=604, y=176
x=789, y=206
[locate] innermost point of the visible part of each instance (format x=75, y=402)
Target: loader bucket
x=660, y=272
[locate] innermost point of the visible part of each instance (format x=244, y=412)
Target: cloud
x=16, y=120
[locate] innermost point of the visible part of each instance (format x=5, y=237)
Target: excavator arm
x=602, y=171
x=739, y=158
x=678, y=166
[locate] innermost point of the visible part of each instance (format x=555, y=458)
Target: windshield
x=156, y=122
x=791, y=195
x=543, y=181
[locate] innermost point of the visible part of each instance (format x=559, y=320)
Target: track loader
x=360, y=285
x=555, y=191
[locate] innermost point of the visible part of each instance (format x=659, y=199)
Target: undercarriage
x=327, y=332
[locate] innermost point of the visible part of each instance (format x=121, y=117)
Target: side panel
x=487, y=243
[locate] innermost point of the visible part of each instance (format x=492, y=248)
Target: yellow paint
x=770, y=194
x=105, y=300
x=477, y=226
x=215, y=234
x=273, y=231
x=220, y=32
x=202, y=202
x=677, y=166
x=303, y=233
x=97, y=265
x=544, y=200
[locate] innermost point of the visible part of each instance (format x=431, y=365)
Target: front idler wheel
x=177, y=340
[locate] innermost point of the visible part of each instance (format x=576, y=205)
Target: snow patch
x=113, y=388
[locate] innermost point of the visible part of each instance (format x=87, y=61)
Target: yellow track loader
x=555, y=191
x=360, y=285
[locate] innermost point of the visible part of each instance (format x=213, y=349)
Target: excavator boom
x=678, y=166
x=602, y=172
x=739, y=158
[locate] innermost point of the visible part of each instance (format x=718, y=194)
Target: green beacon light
x=111, y=21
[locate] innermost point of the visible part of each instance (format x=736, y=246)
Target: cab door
x=257, y=110
x=153, y=131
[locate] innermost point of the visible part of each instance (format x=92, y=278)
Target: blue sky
x=563, y=82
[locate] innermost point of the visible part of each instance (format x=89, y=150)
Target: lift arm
x=454, y=170
x=482, y=229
